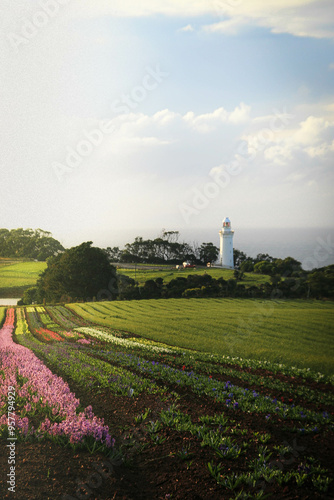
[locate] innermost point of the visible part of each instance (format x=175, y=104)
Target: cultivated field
x=178, y=422
x=296, y=332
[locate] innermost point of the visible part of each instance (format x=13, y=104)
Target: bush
x=192, y=292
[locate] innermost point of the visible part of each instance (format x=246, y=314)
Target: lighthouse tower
x=226, y=245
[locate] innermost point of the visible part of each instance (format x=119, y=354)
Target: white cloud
x=311, y=130
x=165, y=116
x=230, y=26
x=189, y=27
x=209, y=121
x=321, y=150
x=278, y=154
x=240, y=114
x=306, y=18
x=166, y=121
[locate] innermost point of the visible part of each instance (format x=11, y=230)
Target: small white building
x=226, y=245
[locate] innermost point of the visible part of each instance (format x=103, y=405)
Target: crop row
x=43, y=325
x=133, y=343
x=228, y=442
x=232, y=396
x=88, y=371
x=204, y=365
x=2, y=314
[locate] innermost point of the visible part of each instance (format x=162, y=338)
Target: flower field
x=43, y=397
x=182, y=423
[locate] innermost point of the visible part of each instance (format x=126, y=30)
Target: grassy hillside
x=168, y=273
x=15, y=277
x=298, y=333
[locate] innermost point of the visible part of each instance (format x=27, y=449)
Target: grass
x=168, y=273
x=297, y=333
x=17, y=277
x=6, y=261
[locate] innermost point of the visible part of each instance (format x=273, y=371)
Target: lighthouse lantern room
x=226, y=245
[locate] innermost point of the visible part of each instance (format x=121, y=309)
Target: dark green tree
x=247, y=265
x=208, y=252
x=238, y=275
x=239, y=257
x=114, y=254
x=265, y=267
x=264, y=256
x=82, y=272
x=26, y=243
x=288, y=266
x=320, y=282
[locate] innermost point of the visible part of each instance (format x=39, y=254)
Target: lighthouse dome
x=226, y=222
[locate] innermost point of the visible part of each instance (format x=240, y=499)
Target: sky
x=121, y=118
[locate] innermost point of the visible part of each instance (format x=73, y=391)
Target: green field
x=297, y=333
x=17, y=277
x=168, y=273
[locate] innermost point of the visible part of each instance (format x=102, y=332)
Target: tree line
x=165, y=249
x=28, y=244
x=318, y=284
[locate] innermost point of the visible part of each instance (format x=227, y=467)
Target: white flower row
x=108, y=337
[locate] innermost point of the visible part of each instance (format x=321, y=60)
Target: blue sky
x=121, y=118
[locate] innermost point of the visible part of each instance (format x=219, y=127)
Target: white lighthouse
x=226, y=245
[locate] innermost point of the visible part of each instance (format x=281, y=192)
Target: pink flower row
x=47, y=390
